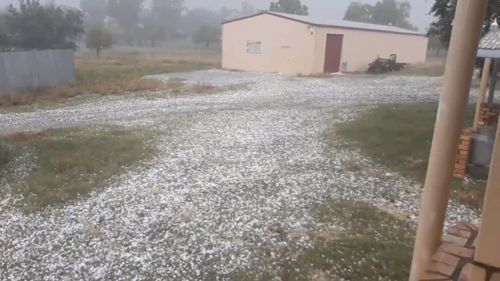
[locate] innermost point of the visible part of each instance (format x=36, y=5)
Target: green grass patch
x=399, y=137
x=4, y=153
x=70, y=163
x=104, y=72
x=375, y=245
x=370, y=244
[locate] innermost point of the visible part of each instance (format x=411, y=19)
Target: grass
x=429, y=68
x=399, y=137
x=372, y=245
x=114, y=73
x=69, y=163
x=432, y=68
x=4, y=154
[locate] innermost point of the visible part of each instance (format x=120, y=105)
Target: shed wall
x=361, y=47
x=288, y=46
x=35, y=69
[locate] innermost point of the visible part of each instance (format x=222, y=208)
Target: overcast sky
x=322, y=8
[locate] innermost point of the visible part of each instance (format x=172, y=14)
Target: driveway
x=230, y=168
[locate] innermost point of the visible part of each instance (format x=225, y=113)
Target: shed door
x=333, y=52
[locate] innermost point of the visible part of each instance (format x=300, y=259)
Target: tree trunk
x=98, y=51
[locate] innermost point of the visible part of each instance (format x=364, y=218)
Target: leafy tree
x=95, y=11
x=152, y=30
x=444, y=12
x=34, y=26
x=4, y=38
x=168, y=15
x=126, y=13
x=393, y=12
x=435, y=44
x=289, y=7
x=359, y=12
x=99, y=38
x=206, y=35
x=386, y=12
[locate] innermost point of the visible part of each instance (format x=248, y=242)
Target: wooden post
x=464, y=42
x=487, y=248
x=482, y=90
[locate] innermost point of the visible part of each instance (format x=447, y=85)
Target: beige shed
x=292, y=44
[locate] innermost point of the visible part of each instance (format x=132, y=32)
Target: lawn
x=399, y=137
x=115, y=73
x=58, y=166
x=366, y=244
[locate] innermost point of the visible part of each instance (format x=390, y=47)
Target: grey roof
x=346, y=24
x=491, y=41
x=489, y=47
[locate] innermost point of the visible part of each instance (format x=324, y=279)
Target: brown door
x=333, y=52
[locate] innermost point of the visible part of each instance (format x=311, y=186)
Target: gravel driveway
x=230, y=168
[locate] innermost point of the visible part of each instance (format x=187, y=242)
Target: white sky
x=322, y=8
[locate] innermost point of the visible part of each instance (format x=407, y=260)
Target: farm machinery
x=382, y=65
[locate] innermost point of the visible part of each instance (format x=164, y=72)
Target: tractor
x=381, y=65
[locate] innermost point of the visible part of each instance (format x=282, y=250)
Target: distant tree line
x=289, y=7
x=133, y=22
x=34, y=26
x=385, y=12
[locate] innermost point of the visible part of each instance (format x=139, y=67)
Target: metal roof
x=329, y=22
x=489, y=47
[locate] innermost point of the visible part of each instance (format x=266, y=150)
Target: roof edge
x=321, y=25
x=488, y=53
x=246, y=17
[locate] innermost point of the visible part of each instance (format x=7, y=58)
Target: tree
x=99, y=38
x=435, y=44
x=207, y=35
x=4, y=37
x=289, y=7
x=167, y=15
x=195, y=18
x=126, y=13
x=359, y=12
x=94, y=10
x=34, y=26
x=152, y=30
x=386, y=12
x=444, y=12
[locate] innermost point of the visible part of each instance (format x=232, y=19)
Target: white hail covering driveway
x=230, y=167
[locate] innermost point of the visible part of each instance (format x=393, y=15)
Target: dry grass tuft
x=430, y=68
x=115, y=73
x=20, y=137
x=316, y=75
x=29, y=97
x=176, y=86
x=202, y=87
x=125, y=85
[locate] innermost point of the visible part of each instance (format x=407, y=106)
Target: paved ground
x=231, y=167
